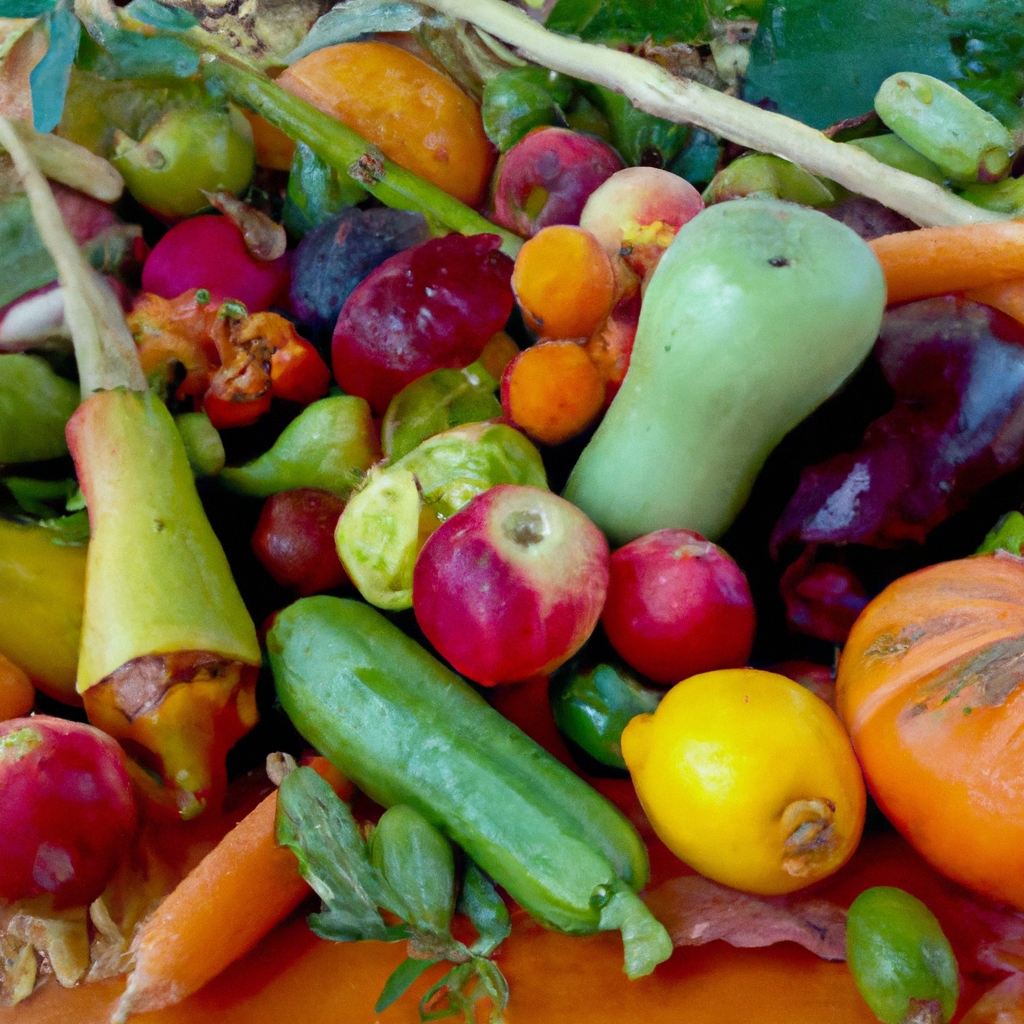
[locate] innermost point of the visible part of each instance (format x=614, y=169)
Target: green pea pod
x=407, y=730
x=436, y=402
x=892, y=151
x=900, y=959
x=640, y=138
x=771, y=177
x=35, y=406
x=416, y=860
x=1006, y=535
x=593, y=705
x=521, y=99
x=330, y=445
x=385, y=524
x=1000, y=196
x=965, y=142
x=316, y=192
x=203, y=446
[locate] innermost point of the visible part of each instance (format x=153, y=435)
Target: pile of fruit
x=443, y=497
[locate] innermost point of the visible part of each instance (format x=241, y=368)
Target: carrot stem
x=934, y=261
x=653, y=89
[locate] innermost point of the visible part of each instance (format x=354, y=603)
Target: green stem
x=644, y=939
x=350, y=154
x=653, y=89
x=104, y=347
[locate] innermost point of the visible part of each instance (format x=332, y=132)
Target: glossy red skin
x=294, y=540
x=430, y=307
x=209, y=252
x=565, y=164
x=678, y=605
x=67, y=810
x=500, y=618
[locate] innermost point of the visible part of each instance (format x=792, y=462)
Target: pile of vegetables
x=619, y=456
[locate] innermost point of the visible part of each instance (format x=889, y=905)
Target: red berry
x=678, y=605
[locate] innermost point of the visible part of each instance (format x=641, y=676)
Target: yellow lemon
x=749, y=778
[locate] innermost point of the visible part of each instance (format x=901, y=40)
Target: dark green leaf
x=24, y=262
x=50, y=77
x=316, y=192
x=822, y=61
x=401, y=978
x=640, y=138
x=480, y=902
x=25, y=8
x=123, y=54
x=318, y=827
x=618, y=22
x=38, y=497
x=170, y=19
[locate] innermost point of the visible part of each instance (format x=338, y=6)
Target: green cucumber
x=407, y=730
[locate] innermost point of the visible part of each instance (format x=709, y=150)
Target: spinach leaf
x=822, y=61
x=25, y=8
x=169, y=19
x=50, y=77
x=615, y=22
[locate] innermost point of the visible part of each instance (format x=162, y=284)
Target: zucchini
x=407, y=730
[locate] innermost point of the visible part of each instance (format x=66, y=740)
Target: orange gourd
x=931, y=688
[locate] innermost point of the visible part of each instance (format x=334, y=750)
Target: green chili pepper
x=521, y=99
x=330, y=445
x=35, y=406
x=894, y=152
x=900, y=959
x=962, y=140
x=203, y=446
x=771, y=177
x=1006, y=535
x=593, y=705
x=412, y=732
x=437, y=402
x=416, y=860
x=640, y=138
x=316, y=192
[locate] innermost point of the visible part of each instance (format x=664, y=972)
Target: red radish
x=512, y=585
x=294, y=539
x=67, y=808
x=209, y=252
x=678, y=605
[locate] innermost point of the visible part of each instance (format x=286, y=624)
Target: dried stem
x=653, y=89
x=104, y=347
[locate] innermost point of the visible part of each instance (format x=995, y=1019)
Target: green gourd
x=759, y=310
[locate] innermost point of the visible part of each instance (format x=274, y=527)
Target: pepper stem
x=654, y=90
x=104, y=347
x=644, y=939
x=351, y=154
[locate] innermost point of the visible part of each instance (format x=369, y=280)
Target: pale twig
x=653, y=89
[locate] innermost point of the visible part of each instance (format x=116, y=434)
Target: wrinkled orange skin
x=930, y=688
x=420, y=119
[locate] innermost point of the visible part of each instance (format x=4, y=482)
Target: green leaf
x=36, y=497
x=618, y=22
x=318, y=827
x=123, y=54
x=169, y=19
x=71, y=530
x=480, y=902
x=1006, y=535
x=354, y=19
x=50, y=77
x=24, y=262
x=822, y=61
x=401, y=978
x=25, y=8
x=316, y=192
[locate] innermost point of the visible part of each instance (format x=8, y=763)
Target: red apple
x=512, y=585
x=678, y=605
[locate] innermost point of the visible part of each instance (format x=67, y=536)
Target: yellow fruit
x=749, y=778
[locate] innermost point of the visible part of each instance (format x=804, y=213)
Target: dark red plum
x=294, y=539
x=547, y=177
x=209, y=252
x=67, y=810
x=434, y=306
x=512, y=585
x=678, y=605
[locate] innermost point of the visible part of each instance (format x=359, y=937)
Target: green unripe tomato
x=416, y=860
x=186, y=152
x=900, y=958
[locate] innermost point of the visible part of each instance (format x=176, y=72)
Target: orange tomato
x=930, y=688
x=420, y=119
x=273, y=148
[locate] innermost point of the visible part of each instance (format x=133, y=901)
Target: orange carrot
x=16, y=692
x=1007, y=296
x=552, y=391
x=235, y=895
x=934, y=261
